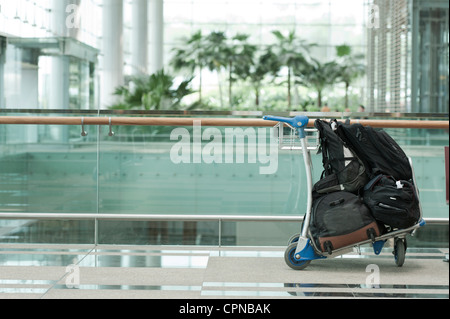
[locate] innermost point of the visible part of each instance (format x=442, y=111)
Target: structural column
x=156, y=35
x=139, y=37
x=2, y=71
x=112, y=51
x=59, y=77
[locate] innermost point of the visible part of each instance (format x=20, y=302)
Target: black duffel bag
x=394, y=203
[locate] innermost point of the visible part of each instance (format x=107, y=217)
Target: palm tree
x=318, y=76
x=233, y=54
x=152, y=92
x=239, y=55
x=162, y=88
x=216, y=55
x=293, y=53
x=192, y=55
x=261, y=65
x=351, y=68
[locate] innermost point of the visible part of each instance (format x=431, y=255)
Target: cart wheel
x=293, y=239
x=399, y=252
x=289, y=258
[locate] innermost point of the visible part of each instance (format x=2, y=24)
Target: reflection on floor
x=63, y=272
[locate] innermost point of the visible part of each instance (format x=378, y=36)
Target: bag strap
x=370, y=185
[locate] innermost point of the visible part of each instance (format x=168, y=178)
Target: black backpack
x=378, y=151
x=343, y=170
x=392, y=202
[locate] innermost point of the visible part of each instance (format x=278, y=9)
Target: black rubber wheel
x=289, y=258
x=399, y=252
x=293, y=239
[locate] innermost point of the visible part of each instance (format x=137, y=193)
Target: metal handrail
x=218, y=122
x=224, y=113
x=170, y=217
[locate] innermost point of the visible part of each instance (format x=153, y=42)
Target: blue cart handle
x=299, y=122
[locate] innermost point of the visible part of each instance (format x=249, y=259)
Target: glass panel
x=433, y=60
x=47, y=232
x=317, y=13
x=341, y=14
x=40, y=256
x=48, y=169
x=158, y=233
x=210, y=12
x=430, y=236
x=348, y=35
x=258, y=233
x=138, y=175
x=52, y=169
x=277, y=13
x=180, y=12
x=173, y=33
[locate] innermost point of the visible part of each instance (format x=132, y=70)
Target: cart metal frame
x=301, y=249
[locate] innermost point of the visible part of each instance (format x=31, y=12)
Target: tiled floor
x=66, y=272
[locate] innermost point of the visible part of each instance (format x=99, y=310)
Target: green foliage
x=251, y=74
x=293, y=53
x=318, y=76
x=192, y=55
x=343, y=50
x=152, y=93
x=351, y=68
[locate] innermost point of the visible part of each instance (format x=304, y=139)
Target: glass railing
x=158, y=191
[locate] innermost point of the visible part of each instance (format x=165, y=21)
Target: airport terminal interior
x=118, y=176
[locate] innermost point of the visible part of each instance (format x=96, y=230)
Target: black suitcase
x=341, y=219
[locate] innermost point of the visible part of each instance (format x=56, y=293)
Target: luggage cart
x=301, y=250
